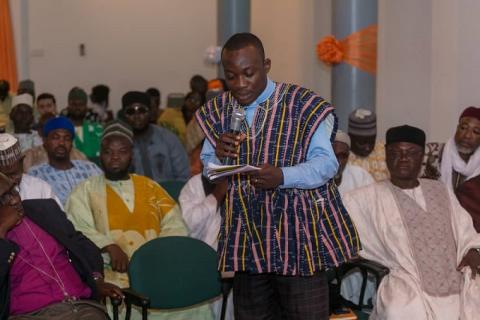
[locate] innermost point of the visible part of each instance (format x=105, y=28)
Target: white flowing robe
x=384, y=239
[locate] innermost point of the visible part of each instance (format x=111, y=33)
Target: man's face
x=467, y=136
x=77, y=108
x=9, y=201
x=46, y=106
x=193, y=102
x=404, y=160
x=245, y=73
x=362, y=146
x=138, y=116
x=116, y=156
x=58, y=144
x=342, y=151
x=22, y=117
x=13, y=171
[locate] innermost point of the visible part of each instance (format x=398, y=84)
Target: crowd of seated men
x=106, y=175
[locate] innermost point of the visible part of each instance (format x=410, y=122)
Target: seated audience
x=87, y=129
x=38, y=155
x=457, y=163
x=99, y=98
x=193, y=101
x=155, y=101
x=157, y=152
x=46, y=103
x=62, y=173
x=199, y=84
x=349, y=176
x=11, y=165
x=5, y=104
x=21, y=116
x=172, y=116
x=417, y=229
x=48, y=270
x=26, y=86
x=366, y=151
x=120, y=212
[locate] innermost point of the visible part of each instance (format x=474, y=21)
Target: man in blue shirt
x=283, y=225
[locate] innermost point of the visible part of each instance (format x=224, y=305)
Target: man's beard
x=464, y=150
x=117, y=175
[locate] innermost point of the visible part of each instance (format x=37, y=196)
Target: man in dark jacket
x=47, y=269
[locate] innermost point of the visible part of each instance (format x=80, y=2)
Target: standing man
x=417, y=229
x=283, y=226
x=157, y=152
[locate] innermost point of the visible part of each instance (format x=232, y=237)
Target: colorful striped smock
x=280, y=231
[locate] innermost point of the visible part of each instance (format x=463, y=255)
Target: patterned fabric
x=299, y=298
x=28, y=140
x=10, y=150
x=281, y=231
x=431, y=160
x=434, y=251
x=31, y=289
x=375, y=163
x=38, y=155
x=64, y=181
x=89, y=141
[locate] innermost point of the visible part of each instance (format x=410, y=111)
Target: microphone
x=238, y=116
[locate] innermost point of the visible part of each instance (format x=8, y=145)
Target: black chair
x=367, y=269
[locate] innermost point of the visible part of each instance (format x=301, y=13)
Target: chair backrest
x=173, y=187
x=175, y=272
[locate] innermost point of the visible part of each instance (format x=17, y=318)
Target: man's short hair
x=46, y=95
x=241, y=40
x=153, y=92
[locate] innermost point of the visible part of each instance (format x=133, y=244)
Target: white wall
x=429, y=61
x=290, y=31
x=130, y=45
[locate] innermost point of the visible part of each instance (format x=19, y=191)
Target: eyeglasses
x=7, y=197
x=130, y=111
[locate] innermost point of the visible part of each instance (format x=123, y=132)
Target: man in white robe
x=419, y=231
x=349, y=176
x=199, y=201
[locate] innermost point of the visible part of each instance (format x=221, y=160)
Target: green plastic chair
x=173, y=187
x=172, y=272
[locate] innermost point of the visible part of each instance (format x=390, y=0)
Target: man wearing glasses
x=157, y=152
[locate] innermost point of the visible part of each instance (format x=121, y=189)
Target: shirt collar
x=267, y=92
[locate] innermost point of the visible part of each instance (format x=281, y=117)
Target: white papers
x=215, y=171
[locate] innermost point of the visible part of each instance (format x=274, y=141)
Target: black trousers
x=275, y=297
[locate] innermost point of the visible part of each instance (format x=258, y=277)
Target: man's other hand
x=106, y=289
x=471, y=259
x=118, y=258
x=268, y=177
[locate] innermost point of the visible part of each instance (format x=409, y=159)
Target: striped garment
x=281, y=231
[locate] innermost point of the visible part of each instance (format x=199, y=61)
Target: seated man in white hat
x=22, y=118
x=11, y=165
x=349, y=176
